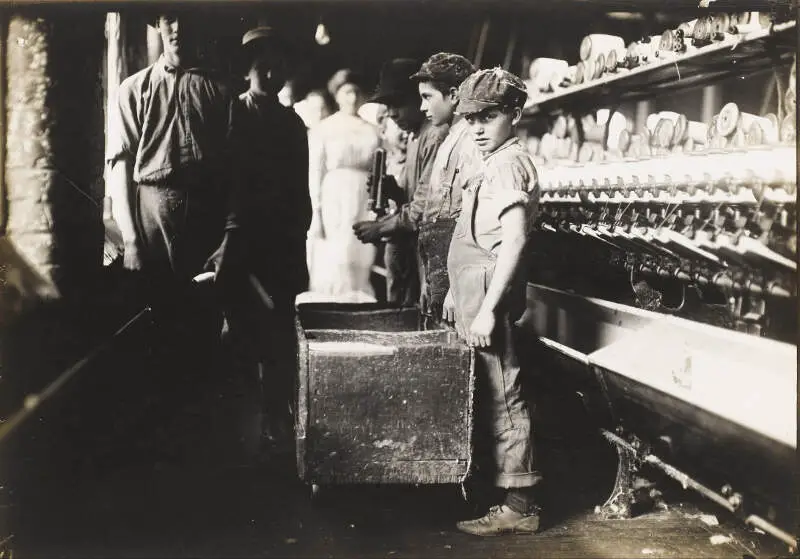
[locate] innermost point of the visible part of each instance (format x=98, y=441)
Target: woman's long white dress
x=340, y=154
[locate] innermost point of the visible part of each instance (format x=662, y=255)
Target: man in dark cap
x=269, y=150
x=437, y=198
x=399, y=94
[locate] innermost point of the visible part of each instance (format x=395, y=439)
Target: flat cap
x=394, y=84
x=445, y=67
x=262, y=33
x=490, y=88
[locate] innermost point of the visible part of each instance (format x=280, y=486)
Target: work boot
x=501, y=519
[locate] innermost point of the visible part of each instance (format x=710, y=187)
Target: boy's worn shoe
x=501, y=520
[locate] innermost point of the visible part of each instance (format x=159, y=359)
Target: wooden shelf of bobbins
x=646, y=71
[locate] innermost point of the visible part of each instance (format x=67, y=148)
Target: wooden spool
x=573, y=151
x=548, y=146
x=594, y=44
x=564, y=148
x=718, y=142
x=572, y=129
x=585, y=153
x=671, y=42
x=712, y=129
x=738, y=140
x=680, y=131
x=662, y=136
x=612, y=61
x=686, y=29
x=624, y=141
x=594, y=133
x=720, y=24
x=589, y=70
x=580, y=72
x=697, y=131
x=728, y=120
x=560, y=127
x=599, y=66
x=702, y=32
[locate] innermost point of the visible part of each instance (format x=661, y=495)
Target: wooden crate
x=380, y=401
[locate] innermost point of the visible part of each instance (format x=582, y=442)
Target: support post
x=54, y=144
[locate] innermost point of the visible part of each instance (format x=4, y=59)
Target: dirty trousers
x=504, y=452
x=433, y=242
x=402, y=277
x=180, y=226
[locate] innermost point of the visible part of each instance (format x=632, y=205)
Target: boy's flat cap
x=445, y=67
x=490, y=88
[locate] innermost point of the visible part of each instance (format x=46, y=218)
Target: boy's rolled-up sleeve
x=123, y=124
x=508, y=186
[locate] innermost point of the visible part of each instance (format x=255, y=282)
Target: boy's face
x=437, y=106
x=269, y=67
x=174, y=34
x=491, y=127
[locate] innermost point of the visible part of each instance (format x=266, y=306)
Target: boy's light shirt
x=456, y=162
x=507, y=177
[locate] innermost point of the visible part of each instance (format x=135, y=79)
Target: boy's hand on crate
x=480, y=332
x=449, y=308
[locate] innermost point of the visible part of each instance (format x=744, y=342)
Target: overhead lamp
x=321, y=36
x=625, y=16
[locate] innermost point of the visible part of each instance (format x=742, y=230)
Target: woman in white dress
x=340, y=154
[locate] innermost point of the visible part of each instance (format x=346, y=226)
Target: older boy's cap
x=490, y=88
x=263, y=33
x=393, y=83
x=445, y=67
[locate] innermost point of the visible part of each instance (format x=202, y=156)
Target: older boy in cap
x=487, y=293
x=166, y=151
x=269, y=156
x=436, y=201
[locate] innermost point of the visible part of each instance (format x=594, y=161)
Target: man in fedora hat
x=397, y=91
x=269, y=148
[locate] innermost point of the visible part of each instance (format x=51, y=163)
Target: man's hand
x=449, y=308
x=480, y=332
x=130, y=256
x=228, y=264
x=371, y=231
x=392, y=191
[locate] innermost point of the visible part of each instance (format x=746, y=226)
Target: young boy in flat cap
x=436, y=202
x=487, y=294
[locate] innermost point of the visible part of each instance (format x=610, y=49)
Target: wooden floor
x=174, y=496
